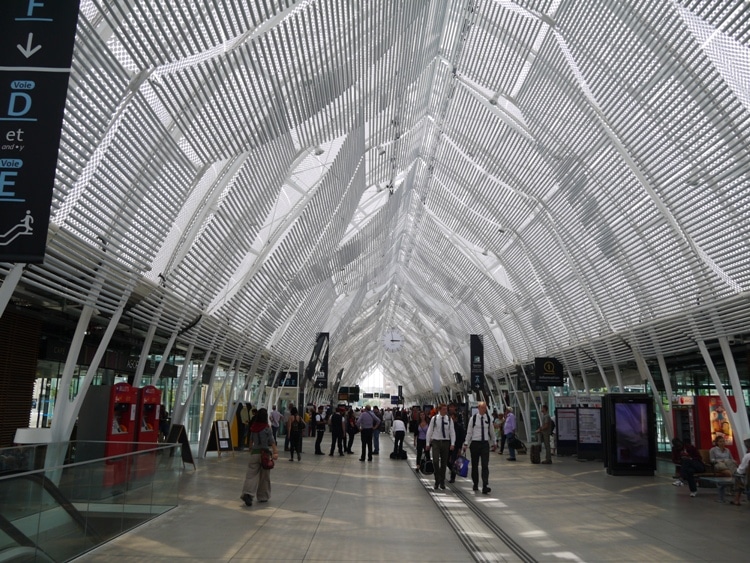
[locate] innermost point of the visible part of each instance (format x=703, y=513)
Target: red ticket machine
x=106, y=428
x=147, y=430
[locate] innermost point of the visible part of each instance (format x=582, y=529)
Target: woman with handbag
x=721, y=458
x=263, y=454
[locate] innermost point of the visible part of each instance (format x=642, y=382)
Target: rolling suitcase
x=535, y=452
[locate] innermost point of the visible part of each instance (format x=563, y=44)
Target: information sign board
x=36, y=49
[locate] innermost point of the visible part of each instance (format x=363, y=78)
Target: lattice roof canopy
x=565, y=177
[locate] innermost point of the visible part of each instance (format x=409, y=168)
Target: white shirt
x=742, y=469
x=399, y=426
x=474, y=431
x=441, y=428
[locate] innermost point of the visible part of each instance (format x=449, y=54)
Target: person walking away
x=460, y=439
x=510, y=433
x=399, y=433
x=258, y=480
x=351, y=429
x=275, y=419
x=441, y=435
x=367, y=423
x=420, y=437
x=479, y=432
x=376, y=431
x=338, y=431
x=545, y=432
x=294, y=430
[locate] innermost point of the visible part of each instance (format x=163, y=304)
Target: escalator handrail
x=14, y=533
x=64, y=503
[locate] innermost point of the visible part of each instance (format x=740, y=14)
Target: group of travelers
x=440, y=435
x=689, y=462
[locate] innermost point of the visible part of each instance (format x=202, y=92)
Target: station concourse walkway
x=340, y=509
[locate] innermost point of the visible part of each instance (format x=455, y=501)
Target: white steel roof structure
x=565, y=177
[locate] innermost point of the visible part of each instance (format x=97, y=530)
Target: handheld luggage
x=426, y=467
x=402, y=454
x=535, y=453
x=461, y=466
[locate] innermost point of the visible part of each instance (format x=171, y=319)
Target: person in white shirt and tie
x=442, y=435
x=478, y=435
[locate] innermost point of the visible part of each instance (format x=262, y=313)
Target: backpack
x=298, y=425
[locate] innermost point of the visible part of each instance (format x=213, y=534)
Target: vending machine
x=147, y=431
x=106, y=429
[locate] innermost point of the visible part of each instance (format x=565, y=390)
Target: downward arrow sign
x=28, y=51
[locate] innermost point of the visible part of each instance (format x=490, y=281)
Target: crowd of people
x=440, y=435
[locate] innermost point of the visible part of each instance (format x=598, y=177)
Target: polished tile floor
x=340, y=509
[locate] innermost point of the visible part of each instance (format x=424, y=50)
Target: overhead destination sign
x=36, y=50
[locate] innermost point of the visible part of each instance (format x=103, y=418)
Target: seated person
x=689, y=459
x=740, y=475
x=721, y=458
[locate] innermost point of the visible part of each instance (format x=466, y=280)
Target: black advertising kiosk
x=106, y=428
x=630, y=435
x=147, y=430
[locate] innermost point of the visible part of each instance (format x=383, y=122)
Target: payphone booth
x=106, y=428
x=147, y=430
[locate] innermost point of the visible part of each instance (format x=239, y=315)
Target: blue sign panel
x=36, y=49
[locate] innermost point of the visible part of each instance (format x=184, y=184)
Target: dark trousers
x=366, y=435
x=503, y=439
x=688, y=470
x=398, y=441
x=337, y=440
x=511, y=450
x=480, y=451
x=441, y=450
x=295, y=444
x=319, y=439
x=420, y=449
x=351, y=442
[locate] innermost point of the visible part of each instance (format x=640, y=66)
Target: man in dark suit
x=338, y=430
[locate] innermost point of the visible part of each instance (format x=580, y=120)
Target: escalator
x=60, y=512
x=38, y=523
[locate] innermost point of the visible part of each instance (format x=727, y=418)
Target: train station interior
x=391, y=203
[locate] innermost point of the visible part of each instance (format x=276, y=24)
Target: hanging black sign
x=547, y=372
x=36, y=49
x=317, y=367
x=477, y=362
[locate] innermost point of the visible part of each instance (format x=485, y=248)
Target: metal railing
x=60, y=500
